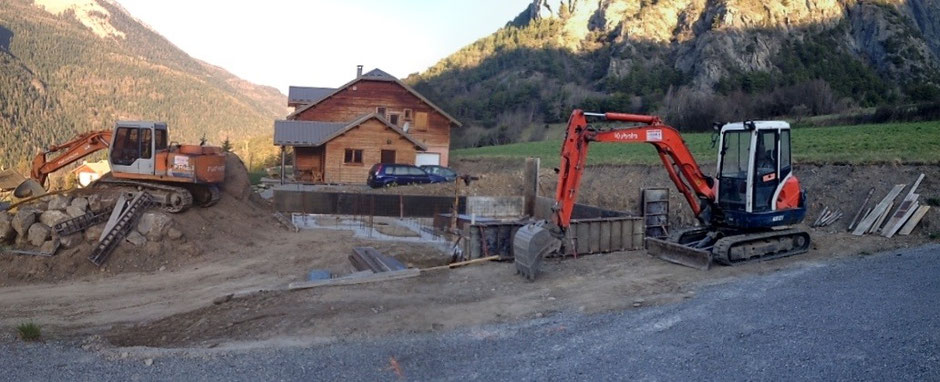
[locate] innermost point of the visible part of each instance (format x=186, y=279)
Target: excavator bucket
x=679, y=254
x=531, y=243
x=21, y=186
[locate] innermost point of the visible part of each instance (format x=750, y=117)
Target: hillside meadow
x=913, y=143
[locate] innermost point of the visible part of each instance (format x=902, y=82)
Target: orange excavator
x=746, y=212
x=141, y=157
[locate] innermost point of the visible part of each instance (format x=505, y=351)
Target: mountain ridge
x=730, y=58
x=60, y=77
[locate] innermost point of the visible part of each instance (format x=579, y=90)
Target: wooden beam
x=861, y=209
x=877, y=226
x=914, y=187
x=915, y=218
x=878, y=211
x=462, y=263
x=384, y=276
x=530, y=185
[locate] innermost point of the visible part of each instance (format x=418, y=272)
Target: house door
x=388, y=156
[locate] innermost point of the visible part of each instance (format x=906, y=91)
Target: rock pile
x=32, y=225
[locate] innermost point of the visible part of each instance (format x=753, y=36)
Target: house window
x=393, y=118
x=381, y=111
x=421, y=121
x=353, y=156
x=407, y=115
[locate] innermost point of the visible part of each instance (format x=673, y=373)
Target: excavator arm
x=72, y=151
x=680, y=164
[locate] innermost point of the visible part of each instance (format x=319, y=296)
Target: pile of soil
x=207, y=234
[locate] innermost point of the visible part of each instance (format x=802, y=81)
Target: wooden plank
x=115, y=215
x=914, y=187
x=861, y=209
x=461, y=263
x=384, y=276
x=889, y=232
x=879, y=209
x=877, y=226
x=907, y=207
x=912, y=222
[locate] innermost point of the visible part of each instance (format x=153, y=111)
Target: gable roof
x=303, y=94
x=378, y=75
x=317, y=133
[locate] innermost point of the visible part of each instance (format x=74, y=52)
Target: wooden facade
x=392, y=101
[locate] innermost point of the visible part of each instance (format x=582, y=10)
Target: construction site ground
x=164, y=297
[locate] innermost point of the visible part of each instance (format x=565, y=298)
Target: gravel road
x=865, y=318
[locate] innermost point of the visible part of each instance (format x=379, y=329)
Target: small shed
x=91, y=171
x=339, y=152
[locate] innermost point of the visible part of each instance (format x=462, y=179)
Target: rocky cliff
x=705, y=45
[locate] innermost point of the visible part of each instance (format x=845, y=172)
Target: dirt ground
x=239, y=246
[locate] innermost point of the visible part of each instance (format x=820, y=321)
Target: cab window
x=126, y=148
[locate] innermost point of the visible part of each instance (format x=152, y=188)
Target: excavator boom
x=74, y=150
x=681, y=166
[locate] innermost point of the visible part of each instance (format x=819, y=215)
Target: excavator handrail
x=75, y=149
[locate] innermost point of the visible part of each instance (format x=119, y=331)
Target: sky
x=319, y=43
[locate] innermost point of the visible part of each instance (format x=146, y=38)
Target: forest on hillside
x=58, y=79
x=521, y=76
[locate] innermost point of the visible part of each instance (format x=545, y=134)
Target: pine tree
x=227, y=145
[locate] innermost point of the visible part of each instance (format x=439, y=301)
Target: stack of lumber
x=880, y=220
x=369, y=259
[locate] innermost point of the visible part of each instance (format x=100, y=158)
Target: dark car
x=383, y=174
x=446, y=172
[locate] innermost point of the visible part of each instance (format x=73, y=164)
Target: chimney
x=358, y=71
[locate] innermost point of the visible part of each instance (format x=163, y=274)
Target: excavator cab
x=134, y=146
x=756, y=187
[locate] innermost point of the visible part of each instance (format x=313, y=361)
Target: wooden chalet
x=338, y=134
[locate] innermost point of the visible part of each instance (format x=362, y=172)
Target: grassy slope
x=917, y=142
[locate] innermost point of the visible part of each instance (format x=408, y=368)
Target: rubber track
x=723, y=246
x=215, y=196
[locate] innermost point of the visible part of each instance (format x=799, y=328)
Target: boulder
x=23, y=219
x=94, y=202
x=136, y=238
x=71, y=241
x=174, y=234
x=59, y=202
x=38, y=234
x=53, y=217
x=80, y=203
x=153, y=225
x=7, y=233
x=93, y=233
x=74, y=211
x=50, y=246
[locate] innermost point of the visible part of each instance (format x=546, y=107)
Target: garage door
x=424, y=159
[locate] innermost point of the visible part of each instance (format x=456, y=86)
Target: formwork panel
x=583, y=237
x=616, y=238
x=595, y=227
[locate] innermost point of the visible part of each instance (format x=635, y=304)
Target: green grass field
x=916, y=142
